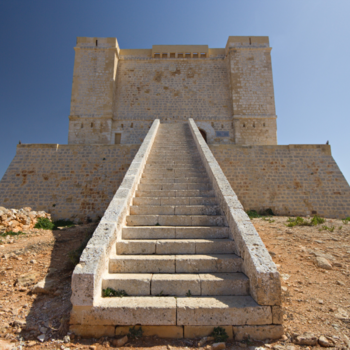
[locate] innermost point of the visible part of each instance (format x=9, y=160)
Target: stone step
x=175, y=210
x=175, y=246
x=166, y=166
x=174, y=186
x=175, y=193
x=138, y=201
x=175, y=220
x=197, y=179
x=172, y=175
x=174, y=232
x=175, y=263
x=178, y=284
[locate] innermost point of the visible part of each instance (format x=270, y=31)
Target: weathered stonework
x=228, y=91
x=68, y=181
x=291, y=180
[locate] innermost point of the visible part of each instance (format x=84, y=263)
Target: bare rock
x=26, y=280
x=45, y=286
x=120, y=342
x=202, y=341
x=218, y=346
x=306, y=339
x=323, y=263
x=325, y=342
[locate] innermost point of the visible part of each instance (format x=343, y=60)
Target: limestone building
x=118, y=93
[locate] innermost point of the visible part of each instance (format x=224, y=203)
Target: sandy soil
x=315, y=300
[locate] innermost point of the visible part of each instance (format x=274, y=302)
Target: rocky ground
x=313, y=262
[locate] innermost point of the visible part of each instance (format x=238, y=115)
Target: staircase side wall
x=68, y=181
x=291, y=180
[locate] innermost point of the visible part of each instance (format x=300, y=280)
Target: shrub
x=253, y=214
x=219, y=334
x=11, y=233
x=298, y=221
x=110, y=292
x=45, y=224
x=135, y=333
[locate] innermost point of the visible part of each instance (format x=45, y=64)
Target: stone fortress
x=118, y=93
x=170, y=146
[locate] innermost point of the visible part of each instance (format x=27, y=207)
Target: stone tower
x=118, y=93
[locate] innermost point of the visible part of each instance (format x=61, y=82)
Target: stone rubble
x=20, y=219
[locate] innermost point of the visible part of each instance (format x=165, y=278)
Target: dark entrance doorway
x=204, y=134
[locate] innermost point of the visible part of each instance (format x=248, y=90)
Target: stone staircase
x=175, y=259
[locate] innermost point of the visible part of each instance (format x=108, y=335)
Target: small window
x=164, y=55
x=253, y=125
x=172, y=54
x=92, y=125
x=187, y=55
x=264, y=124
x=82, y=125
x=203, y=55
x=180, y=55
x=117, y=138
x=96, y=42
x=243, y=125
x=212, y=124
x=122, y=126
x=195, y=55
x=157, y=55
x=132, y=125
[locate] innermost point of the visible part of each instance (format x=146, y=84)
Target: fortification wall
x=172, y=89
x=68, y=181
x=291, y=180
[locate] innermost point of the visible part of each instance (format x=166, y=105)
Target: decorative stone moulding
x=87, y=275
x=265, y=285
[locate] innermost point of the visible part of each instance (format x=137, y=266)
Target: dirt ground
x=315, y=300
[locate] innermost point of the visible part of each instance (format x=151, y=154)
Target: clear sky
x=310, y=59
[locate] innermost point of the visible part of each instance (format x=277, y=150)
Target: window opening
x=82, y=125
x=243, y=125
x=180, y=55
x=132, y=125
x=164, y=55
x=172, y=54
x=157, y=55
x=187, y=55
x=117, y=138
x=92, y=125
x=195, y=55
x=203, y=55
x=96, y=42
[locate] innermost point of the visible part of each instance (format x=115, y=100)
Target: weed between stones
x=219, y=334
x=110, y=292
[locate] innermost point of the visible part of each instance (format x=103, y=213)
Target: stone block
x=142, y=264
x=215, y=246
x=224, y=284
x=149, y=232
x=277, y=314
x=224, y=310
x=151, y=331
x=133, y=283
x=257, y=332
x=192, y=332
x=135, y=247
x=87, y=331
x=131, y=311
x=175, y=284
x=208, y=263
x=175, y=247
x=175, y=220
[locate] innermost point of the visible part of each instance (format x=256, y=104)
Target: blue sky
x=310, y=59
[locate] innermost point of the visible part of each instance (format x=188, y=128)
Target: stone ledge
x=265, y=285
x=86, y=278
x=257, y=332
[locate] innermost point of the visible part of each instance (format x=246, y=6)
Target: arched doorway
x=204, y=134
